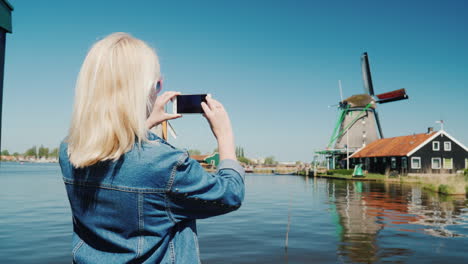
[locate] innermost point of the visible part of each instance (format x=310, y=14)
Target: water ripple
x=331, y=221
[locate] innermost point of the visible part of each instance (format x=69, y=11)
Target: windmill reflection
x=366, y=212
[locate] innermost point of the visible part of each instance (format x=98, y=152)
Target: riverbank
x=368, y=177
x=357, y=221
x=445, y=184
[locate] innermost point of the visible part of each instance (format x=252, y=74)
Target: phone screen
x=190, y=104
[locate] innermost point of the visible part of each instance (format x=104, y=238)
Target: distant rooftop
x=199, y=157
x=395, y=146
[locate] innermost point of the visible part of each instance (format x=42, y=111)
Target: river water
x=329, y=221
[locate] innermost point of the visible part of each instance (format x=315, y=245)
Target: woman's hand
x=158, y=115
x=221, y=127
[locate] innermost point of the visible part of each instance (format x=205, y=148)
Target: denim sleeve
x=194, y=193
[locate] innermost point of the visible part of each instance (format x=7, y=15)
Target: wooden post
x=164, y=130
x=5, y=27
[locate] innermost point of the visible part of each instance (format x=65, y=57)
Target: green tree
x=244, y=160
x=5, y=153
x=16, y=154
x=43, y=152
x=270, y=160
x=194, y=152
x=54, y=153
x=31, y=152
x=239, y=152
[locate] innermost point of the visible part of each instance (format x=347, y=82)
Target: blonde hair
x=112, y=99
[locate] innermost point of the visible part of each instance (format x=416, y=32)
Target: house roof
x=199, y=157
x=395, y=146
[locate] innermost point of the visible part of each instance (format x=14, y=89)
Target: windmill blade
x=171, y=130
x=396, y=95
x=379, y=127
x=341, y=90
x=366, y=75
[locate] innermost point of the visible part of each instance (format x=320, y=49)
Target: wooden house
x=207, y=161
x=427, y=153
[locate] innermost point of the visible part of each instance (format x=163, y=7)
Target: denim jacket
x=142, y=208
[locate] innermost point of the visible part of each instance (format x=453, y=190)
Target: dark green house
x=213, y=159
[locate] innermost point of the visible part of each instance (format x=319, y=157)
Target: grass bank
x=444, y=184
x=347, y=175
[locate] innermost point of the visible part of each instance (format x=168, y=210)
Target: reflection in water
x=372, y=222
x=362, y=210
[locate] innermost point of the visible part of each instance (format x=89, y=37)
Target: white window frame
x=445, y=167
x=449, y=146
x=440, y=163
x=434, y=145
x=413, y=159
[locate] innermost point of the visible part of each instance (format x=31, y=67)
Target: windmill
x=358, y=123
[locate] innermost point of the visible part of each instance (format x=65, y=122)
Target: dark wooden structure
x=428, y=153
x=5, y=27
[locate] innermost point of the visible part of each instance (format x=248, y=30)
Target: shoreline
x=453, y=185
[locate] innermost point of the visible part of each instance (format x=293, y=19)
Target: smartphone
x=189, y=103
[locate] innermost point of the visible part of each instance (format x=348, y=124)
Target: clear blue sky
x=274, y=64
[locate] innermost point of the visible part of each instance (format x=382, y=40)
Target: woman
x=134, y=197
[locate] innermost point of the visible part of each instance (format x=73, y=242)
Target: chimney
x=430, y=130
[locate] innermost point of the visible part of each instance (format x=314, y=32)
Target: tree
x=270, y=160
x=244, y=160
x=194, y=152
x=54, y=153
x=5, y=153
x=16, y=154
x=239, y=152
x=43, y=151
x=31, y=152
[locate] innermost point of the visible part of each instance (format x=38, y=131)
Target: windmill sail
x=379, y=127
x=392, y=96
x=366, y=75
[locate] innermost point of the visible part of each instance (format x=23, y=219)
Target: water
x=332, y=221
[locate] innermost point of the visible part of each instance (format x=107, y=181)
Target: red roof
x=198, y=157
x=396, y=146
